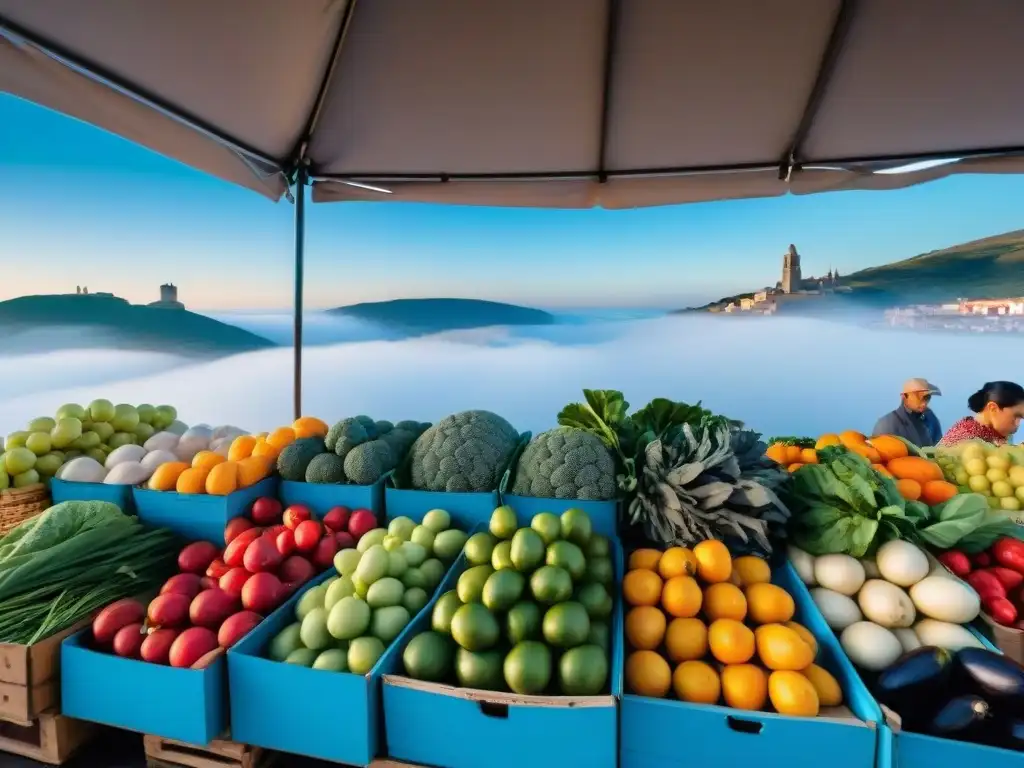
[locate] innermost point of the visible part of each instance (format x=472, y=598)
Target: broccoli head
x=383, y=427
x=367, y=463
x=566, y=463
x=369, y=425
x=346, y=435
x=326, y=468
x=466, y=451
x=293, y=460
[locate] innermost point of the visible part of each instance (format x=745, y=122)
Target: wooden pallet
x=52, y=738
x=219, y=753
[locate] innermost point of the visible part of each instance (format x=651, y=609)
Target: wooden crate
x=219, y=753
x=52, y=738
x=30, y=677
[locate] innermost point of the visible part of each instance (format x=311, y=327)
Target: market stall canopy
x=545, y=103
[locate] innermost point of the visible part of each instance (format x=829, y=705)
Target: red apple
x=235, y=551
x=337, y=518
x=323, y=555
x=361, y=521
x=307, y=535
x=285, y=542
x=266, y=511
x=261, y=555
x=296, y=570
x=262, y=593
x=235, y=527
x=344, y=539
x=296, y=514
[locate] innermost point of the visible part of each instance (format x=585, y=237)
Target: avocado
x=583, y=671
x=502, y=589
x=527, y=550
x=527, y=667
x=445, y=607
x=428, y=656
x=551, y=585
x=479, y=669
x=522, y=622
x=566, y=625
x=470, y=586
x=474, y=627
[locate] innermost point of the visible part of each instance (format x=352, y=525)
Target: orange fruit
x=309, y=426
x=769, y=604
x=646, y=559
x=805, y=635
x=826, y=440
x=677, y=561
x=794, y=467
x=909, y=489
x=223, y=479
x=809, y=456
x=781, y=648
x=792, y=694
x=696, y=682
x=714, y=563
x=777, y=453
x=241, y=447
x=281, y=437
x=851, y=438
x=253, y=469
x=724, y=601
x=207, y=460
x=645, y=627
x=647, y=674
x=192, y=480
x=641, y=587
x=826, y=686
x=752, y=570
x=731, y=641
x=793, y=453
x=165, y=478
x=744, y=686
x=686, y=640
x=681, y=597
x=265, y=449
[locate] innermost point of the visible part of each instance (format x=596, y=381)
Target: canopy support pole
x=300, y=248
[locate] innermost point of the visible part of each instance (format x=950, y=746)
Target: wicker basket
x=19, y=504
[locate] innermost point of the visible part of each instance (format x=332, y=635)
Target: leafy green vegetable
x=59, y=567
x=801, y=442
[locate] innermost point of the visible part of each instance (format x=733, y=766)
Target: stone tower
x=168, y=293
x=791, y=277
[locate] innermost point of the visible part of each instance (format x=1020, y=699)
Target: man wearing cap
x=913, y=420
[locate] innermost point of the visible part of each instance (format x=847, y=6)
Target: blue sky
x=79, y=206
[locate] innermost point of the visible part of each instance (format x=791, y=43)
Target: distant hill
x=438, y=315
x=990, y=268
x=72, y=321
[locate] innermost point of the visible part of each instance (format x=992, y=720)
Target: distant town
x=795, y=292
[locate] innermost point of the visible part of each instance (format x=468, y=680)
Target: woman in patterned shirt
x=998, y=409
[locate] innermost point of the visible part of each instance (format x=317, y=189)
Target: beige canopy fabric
x=542, y=103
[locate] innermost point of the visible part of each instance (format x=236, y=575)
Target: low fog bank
x=780, y=375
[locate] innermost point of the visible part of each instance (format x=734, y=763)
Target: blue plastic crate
x=432, y=724
x=198, y=517
x=121, y=495
x=288, y=708
x=320, y=497
x=188, y=705
x=467, y=510
x=660, y=733
x=604, y=515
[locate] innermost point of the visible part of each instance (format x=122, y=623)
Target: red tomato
x=1007, y=577
x=296, y=514
x=1009, y=553
x=234, y=527
x=1001, y=610
x=337, y=518
x=285, y=542
x=957, y=562
x=986, y=585
x=307, y=535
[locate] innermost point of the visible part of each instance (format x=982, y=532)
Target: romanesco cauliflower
x=466, y=451
x=566, y=463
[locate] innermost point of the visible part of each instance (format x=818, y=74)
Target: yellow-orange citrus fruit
x=681, y=597
x=826, y=686
x=207, y=460
x=645, y=627
x=805, y=635
x=647, y=674
x=769, y=604
x=677, y=561
x=641, y=587
x=686, y=640
x=724, y=601
x=792, y=694
x=731, y=641
x=646, y=559
x=780, y=648
x=752, y=570
x=696, y=682
x=714, y=563
x=744, y=686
